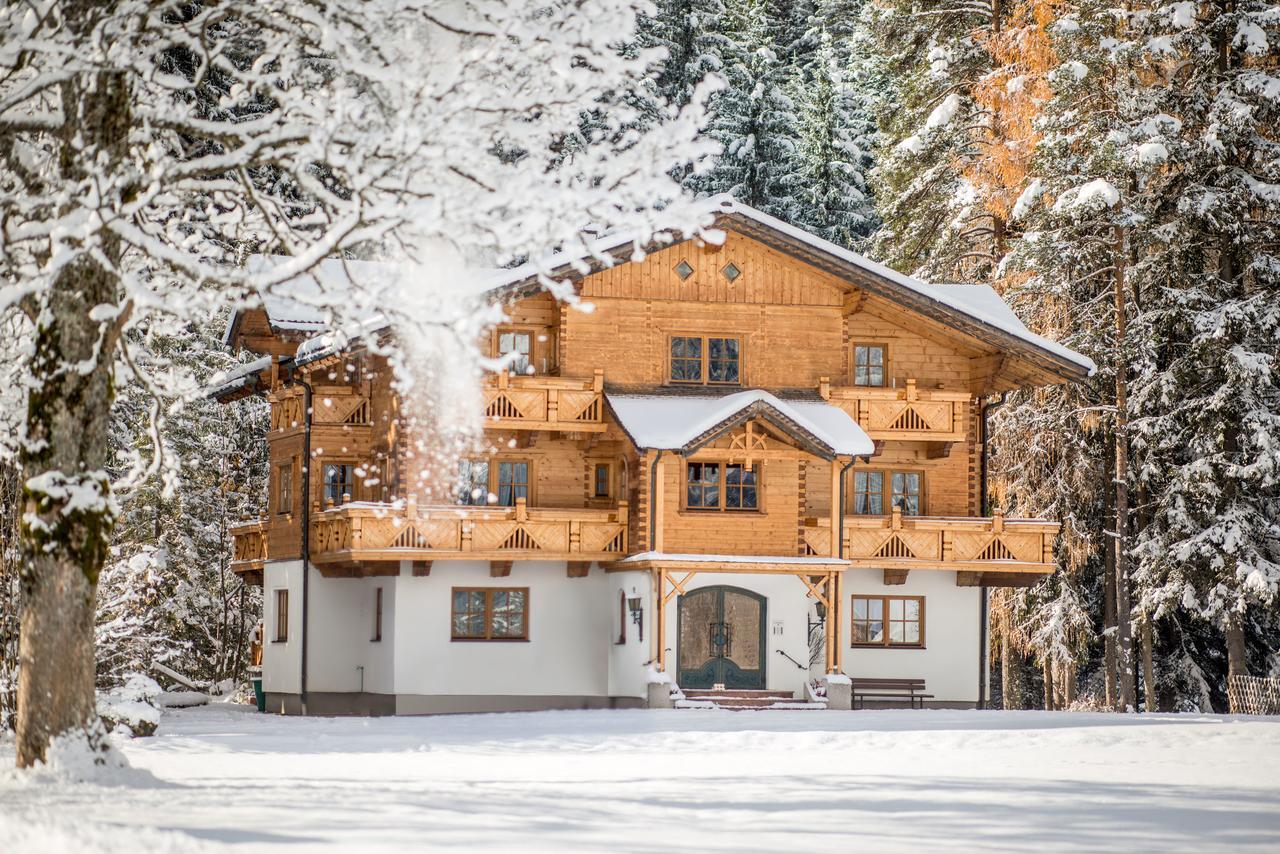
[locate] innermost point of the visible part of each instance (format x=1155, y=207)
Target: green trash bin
x=258, y=693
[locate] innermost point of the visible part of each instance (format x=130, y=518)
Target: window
x=489, y=613
x=377, y=615
x=339, y=480
x=702, y=360
x=730, y=271
x=602, y=481
x=888, y=621
x=716, y=486
x=868, y=493
x=513, y=482
x=868, y=364
x=521, y=344
x=473, y=482
x=284, y=488
x=906, y=492
x=876, y=493
x=282, y=616
x=684, y=270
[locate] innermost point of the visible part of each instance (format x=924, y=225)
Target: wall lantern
x=637, y=613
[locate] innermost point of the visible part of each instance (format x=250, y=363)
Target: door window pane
x=339, y=480
x=513, y=482
x=723, y=364
x=686, y=360
x=906, y=492
x=868, y=493
x=473, y=482
x=703, y=485
x=519, y=343
x=868, y=365
x=740, y=488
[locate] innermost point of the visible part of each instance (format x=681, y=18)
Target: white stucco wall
x=949, y=661
x=281, y=661
x=786, y=603
x=628, y=672
x=568, y=650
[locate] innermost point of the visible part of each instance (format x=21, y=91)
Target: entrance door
x=721, y=638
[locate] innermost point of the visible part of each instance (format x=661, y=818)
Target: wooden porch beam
x=579, y=568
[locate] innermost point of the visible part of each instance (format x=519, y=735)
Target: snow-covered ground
x=225, y=778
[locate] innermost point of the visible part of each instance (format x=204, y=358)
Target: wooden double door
x=721, y=638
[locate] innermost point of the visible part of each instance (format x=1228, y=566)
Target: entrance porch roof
x=686, y=423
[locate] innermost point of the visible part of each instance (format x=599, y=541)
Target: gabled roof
x=685, y=423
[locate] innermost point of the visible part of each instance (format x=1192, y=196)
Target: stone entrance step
x=743, y=700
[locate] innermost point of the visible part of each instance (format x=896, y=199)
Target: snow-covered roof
x=237, y=377
x=673, y=422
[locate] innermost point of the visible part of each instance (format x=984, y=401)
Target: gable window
x=513, y=482
x=716, y=486
x=339, y=480
x=518, y=343
x=602, y=480
x=684, y=270
x=869, y=365
x=704, y=360
x=282, y=616
x=377, y=614
x=284, y=488
x=490, y=613
x=889, y=621
x=876, y=492
x=868, y=493
x=473, y=482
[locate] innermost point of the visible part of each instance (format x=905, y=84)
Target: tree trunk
x=1124, y=641
x=1109, y=584
x=1148, y=666
x=69, y=511
x=1069, y=683
x=1012, y=687
x=1237, y=659
x=1048, y=686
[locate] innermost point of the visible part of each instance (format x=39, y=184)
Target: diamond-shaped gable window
x=683, y=270
x=731, y=271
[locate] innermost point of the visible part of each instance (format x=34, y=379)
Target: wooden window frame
x=354, y=482
x=722, y=488
x=853, y=363
x=594, y=466
x=852, y=492
x=541, y=353
x=281, y=605
x=886, y=491
x=884, y=599
x=488, y=615
x=284, y=488
x=705, y=359
x=488, y=482
x=377, y=616
x=495, y=467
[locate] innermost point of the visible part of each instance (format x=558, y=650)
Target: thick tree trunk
x=1148, y=666
x=1069, y=684
x=69, y=512
x=1012, y=687
x=1049, y=704
x=1125, y=675
x=1237, y=659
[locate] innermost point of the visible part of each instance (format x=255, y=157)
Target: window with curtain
x=513, y=482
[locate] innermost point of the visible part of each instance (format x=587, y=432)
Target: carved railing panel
x=248, y=545
x=544, y=403
x=908, y=413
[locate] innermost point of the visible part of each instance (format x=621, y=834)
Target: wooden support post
x=661, y=633
x=499, y=568
x=834, y=613
x=830, y=635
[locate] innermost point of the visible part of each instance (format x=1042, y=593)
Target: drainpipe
x=306, y=523
x=982, y=591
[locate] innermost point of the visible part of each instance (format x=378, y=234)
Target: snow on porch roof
x=669, y=422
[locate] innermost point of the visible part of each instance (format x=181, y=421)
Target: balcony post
x=522, y=511
x=597, y=381
x=895, y=518
x=411, y=507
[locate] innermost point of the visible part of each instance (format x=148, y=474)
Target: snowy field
x=225, y=778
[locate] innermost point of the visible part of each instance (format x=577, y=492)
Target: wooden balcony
x=368, y=533
x=544, y=403
x=991, y=551
x=904, y=414
x=249, y=549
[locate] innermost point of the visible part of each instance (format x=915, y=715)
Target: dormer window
x=703, y=360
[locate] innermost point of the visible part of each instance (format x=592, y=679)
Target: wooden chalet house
x=752, y=465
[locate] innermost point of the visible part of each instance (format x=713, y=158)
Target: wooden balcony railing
x=544, y=403
x=342, y=405
x=961, y=544
x=908, y=413
x=368, y=532
x=248, y=546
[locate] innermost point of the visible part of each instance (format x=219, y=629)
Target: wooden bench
x=911, y=690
